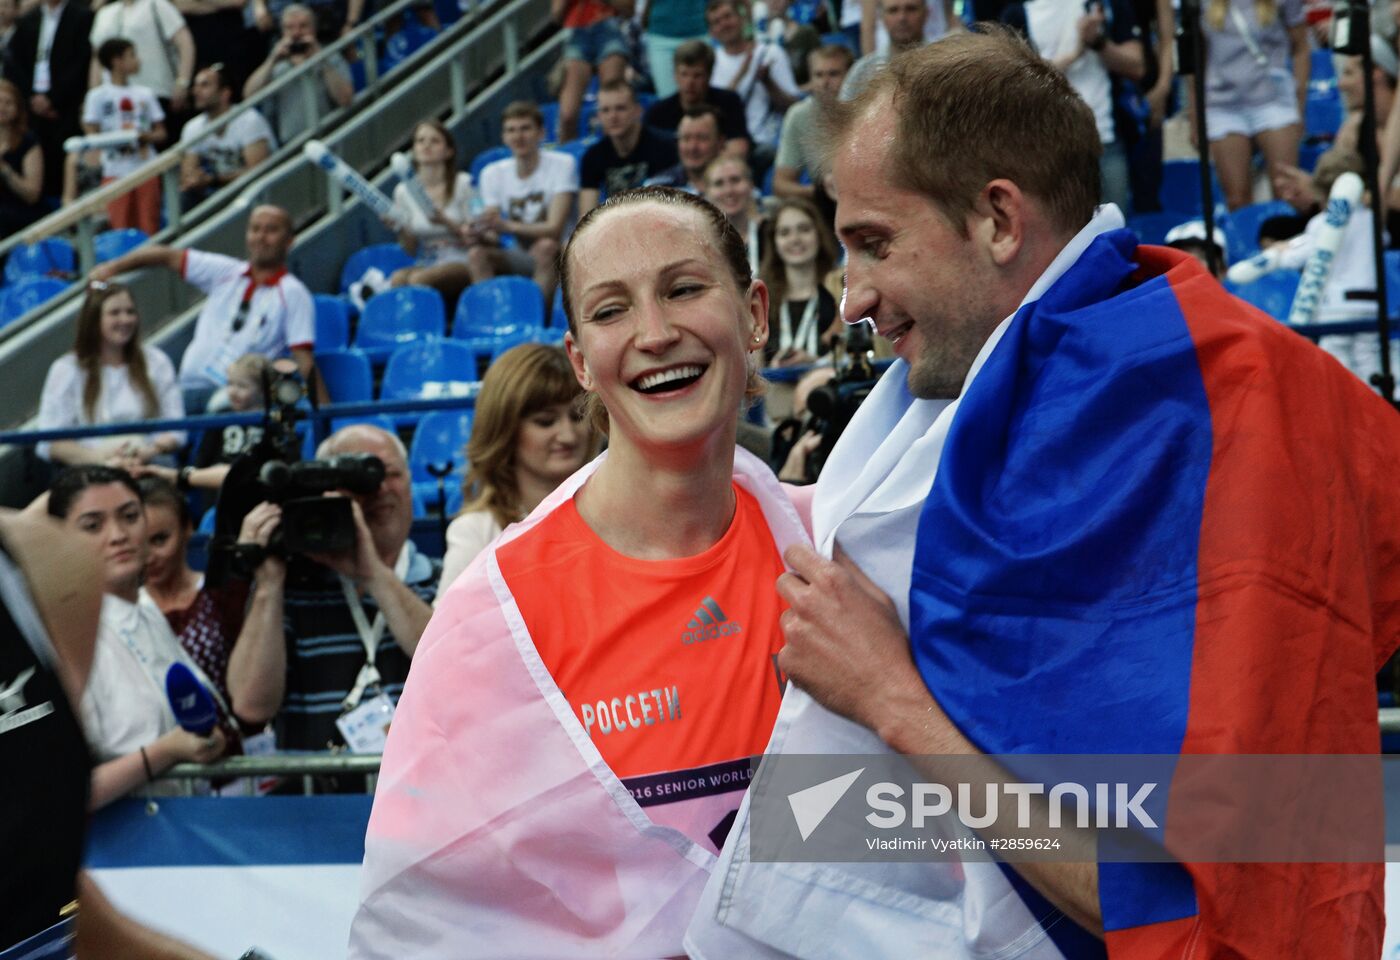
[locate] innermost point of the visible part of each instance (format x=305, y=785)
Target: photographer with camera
x=298, y=44
x=335, y=628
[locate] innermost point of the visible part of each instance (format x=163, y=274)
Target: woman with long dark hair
x=800, y=253
x=441, y=237
x=130, y=726
x=110, y=377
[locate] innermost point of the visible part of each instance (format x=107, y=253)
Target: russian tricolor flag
x=1163, y=523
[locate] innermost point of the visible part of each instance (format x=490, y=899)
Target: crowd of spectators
x=167, y=71
x=726, y=114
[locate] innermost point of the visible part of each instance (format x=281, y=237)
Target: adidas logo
x=709, y=623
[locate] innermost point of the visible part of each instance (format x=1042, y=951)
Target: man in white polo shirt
x=251, y=306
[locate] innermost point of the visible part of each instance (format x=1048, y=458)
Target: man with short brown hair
x=699, y=143
x=629, y=153
x=827, y=66
x=529, y=194
x=1063, y=515
x=695, y=61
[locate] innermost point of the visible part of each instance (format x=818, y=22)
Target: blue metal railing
x=319, y=417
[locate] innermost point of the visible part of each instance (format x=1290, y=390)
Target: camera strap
x=370, y=635
x=1242, y=25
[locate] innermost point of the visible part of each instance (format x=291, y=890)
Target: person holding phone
x=298, y=44
x=1094, y=46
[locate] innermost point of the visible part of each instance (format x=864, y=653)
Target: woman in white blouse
x=130, y=727
x=110, y=377
x=528, y=436
x=439, y=240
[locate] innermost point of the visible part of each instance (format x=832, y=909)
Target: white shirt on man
x=150, y=25
x=48, y=26
x=223, y=151
x=739, y=72
x=279, y=315
x=129, y=107
x=527, y=199
x=935, y=24
x=118, y=401
x=1054, y=30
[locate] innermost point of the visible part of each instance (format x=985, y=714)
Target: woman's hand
x=181, y=746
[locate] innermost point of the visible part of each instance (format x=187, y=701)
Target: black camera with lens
x=273, y=471
x=832, y=405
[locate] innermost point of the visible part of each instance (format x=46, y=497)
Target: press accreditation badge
x=366, y=728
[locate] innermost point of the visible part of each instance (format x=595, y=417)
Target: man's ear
x=1000, y=221
x=577, y=361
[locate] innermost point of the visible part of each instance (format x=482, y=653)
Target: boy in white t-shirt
x=530, y=195
x=119, y=104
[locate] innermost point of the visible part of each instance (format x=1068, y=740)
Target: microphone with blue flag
x=193, y=706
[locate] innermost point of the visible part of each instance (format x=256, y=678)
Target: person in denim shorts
x=593, y=40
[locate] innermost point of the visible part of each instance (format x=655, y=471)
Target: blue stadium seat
x=388, y=257
x=426, y=498
x=557, y=316
x=1181, y=187
x=428, y=368
x=1323, y=114
x=1323, y=68
x=550, y=111
x=18, y=299
x=1242, y=227
x=380, y=420
x=332, y=322
x=448, y=12
x=550, y=335
x=1154, y=227
x=1272, y=293
x=440, y=439
x=110, y=244
x=347, y=375
x=489, y=343
x=487, y=156
x=587, y=119
x=399, y=316
x=411, y=38
x=206, y=523
x=50, y=257
x=1310, y=153
x=495, y=303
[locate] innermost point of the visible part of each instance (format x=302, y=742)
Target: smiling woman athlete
x=575, y=735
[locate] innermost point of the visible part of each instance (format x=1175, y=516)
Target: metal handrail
x=278, y=765
x=164, y=163
x=215, y=421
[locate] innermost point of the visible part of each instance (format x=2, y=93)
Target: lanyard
x=370, y=635
x=805, y=336
x=1242, y=25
